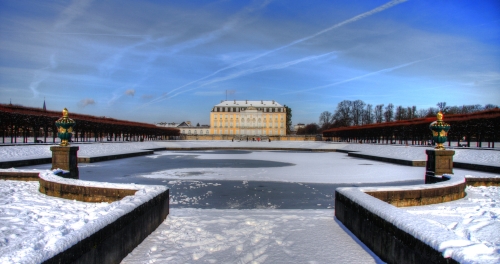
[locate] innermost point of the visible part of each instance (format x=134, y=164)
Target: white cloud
x=130, y=92
x=85, y=102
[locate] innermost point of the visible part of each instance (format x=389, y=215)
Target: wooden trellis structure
x=26, y=122
x=481, y=127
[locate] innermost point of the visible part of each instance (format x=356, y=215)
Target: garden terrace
x=20, y=121
x=480, y=127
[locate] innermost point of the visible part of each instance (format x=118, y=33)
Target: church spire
x=44, y=107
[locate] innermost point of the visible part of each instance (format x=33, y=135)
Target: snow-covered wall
x=395, y=235
x=121, y=226
x=450, y=188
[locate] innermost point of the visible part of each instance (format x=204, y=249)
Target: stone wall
x=390, y=243
x=19, y=176
x=24, y=162
x=83, y=193
x=477, y=167
x=408, y=197
x=414, y=163
x=373, y=221
x=482, y=181
x=115, y=241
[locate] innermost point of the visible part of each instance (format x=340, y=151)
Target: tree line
x=357, y=113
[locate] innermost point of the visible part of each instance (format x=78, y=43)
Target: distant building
x=298, y=126
x=248, y=118
x=187, y=129
x=165, y=124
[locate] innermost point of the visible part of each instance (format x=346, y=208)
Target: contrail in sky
x=345, y=22
x=364, y=75
x=73, y=33
x=41, y=75
x=264, y=68
x=253, y=70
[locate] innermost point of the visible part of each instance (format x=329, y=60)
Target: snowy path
x=250, y=236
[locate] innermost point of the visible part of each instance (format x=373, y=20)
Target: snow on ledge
x=482, y=176
x=53, y=177
x=438, y=238
x=452, y=181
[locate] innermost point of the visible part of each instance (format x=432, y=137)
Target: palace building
x=248, y=118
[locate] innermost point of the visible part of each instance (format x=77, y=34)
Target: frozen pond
x=240, y=179
x=243, y=179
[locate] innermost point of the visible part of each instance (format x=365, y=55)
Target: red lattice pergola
x=481, y=127
x=20, y=121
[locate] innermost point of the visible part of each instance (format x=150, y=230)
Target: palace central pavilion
x=248, y=118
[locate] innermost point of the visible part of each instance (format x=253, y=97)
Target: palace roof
x=247, y=103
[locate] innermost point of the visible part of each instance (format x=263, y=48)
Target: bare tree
x=422, y=113
x=432, y=111
x=400, y=113
x=490, y=106
x=378, y=113
x=454, y=110
x=357, y=111
x=389, y=113
x=467, y=109
x=342, y=115
x=442, y=107
x=325, y=119
x=368, y=115
x=412, y=112
x=309, y=129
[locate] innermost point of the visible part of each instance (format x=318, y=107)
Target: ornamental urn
x=65, y=128
x=439, y=131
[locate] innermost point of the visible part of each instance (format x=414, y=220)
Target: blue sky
x=154, y=61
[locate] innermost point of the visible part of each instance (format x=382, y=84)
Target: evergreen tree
x=288, y=119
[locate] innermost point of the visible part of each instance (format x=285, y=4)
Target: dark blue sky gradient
x=154, y=61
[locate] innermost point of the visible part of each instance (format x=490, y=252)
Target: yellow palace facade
x=248, y=118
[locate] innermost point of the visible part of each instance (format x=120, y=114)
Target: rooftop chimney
x=246, y=101
x=273, y=101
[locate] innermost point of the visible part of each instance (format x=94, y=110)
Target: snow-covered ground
x=475, y=156
x=35, y=227
x=251, y=236
x=215, y=236
x=475, y=218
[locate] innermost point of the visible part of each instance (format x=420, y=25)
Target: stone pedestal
x=439, y=162
x=65, y=158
